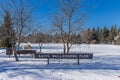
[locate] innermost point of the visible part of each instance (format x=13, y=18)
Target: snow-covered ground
x=104, y=66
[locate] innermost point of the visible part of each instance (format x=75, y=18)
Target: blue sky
x=104, y=12
x=99, y=12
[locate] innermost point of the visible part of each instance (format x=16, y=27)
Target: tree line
x=98, y=35
x=95, y=35
x=105, y=35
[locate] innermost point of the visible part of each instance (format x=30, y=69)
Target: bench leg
x=78, y=61
x=48, y=61
x=32, y=55
x=9, y=56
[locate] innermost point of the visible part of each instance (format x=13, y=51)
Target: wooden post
x=32, y=55
x=78, y=59
x=19, y=55
x=48, y=61
x=9, y=55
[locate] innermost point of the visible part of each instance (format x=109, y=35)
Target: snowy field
x=104, y=66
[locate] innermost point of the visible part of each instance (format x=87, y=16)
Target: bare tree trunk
x=64, y=50
x=19, y=42
x=40, y=46
x=15, y=53
x=68, y=35
x=68, y=48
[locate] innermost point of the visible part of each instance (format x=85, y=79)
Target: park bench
x=64, y=56
x=25, y=52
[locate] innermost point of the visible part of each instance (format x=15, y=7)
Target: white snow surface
x=104, y=66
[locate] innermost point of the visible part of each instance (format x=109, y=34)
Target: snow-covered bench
x=64, y=56
x=32, y=52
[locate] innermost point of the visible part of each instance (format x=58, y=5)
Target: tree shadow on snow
x=97, y=63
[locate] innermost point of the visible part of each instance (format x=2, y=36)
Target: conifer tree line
x=104, y=35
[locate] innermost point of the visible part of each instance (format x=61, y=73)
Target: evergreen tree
x=118, y=31
x=88, y=36
x=79, y=38
x=8, y=31
x=113, y=32
x=98, y=33
x=105, y=34
x=93, y=34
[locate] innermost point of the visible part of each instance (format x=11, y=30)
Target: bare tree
x=21, y=19
x=8, y=27
x=38, y=36
x=69, y=20
x=58, y=22
x=40, y=40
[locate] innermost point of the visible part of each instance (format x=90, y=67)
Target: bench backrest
x=65, y=56
x=25, y=51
